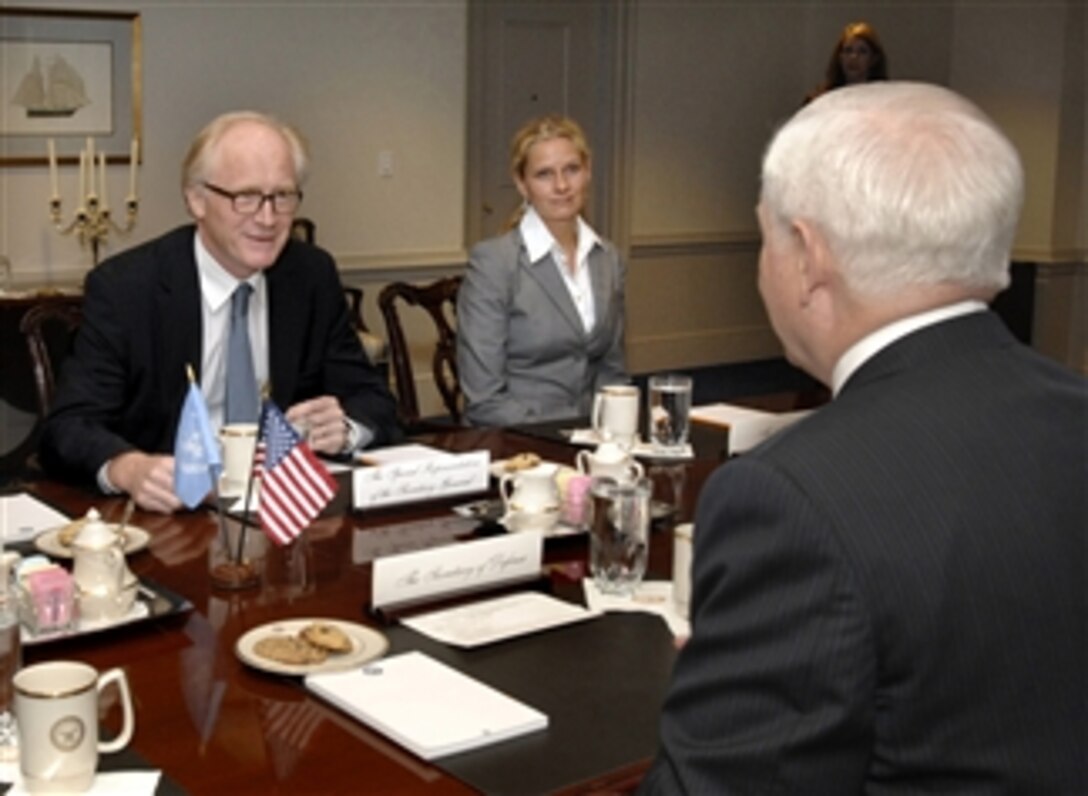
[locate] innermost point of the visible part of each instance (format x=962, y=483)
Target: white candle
x=90, y=169
x=82, y=176
x=54, y=183
x=102, y=184
x=134, y=155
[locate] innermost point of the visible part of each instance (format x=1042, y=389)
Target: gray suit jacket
x=522, y=352
x=889, y=597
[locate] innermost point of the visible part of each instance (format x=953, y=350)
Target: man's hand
x=147, y=479
x=322, y=422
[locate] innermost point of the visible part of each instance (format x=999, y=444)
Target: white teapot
x=105, y=587
x=609, y=460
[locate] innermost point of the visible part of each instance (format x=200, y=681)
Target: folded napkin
x=650, y=596
x=647, y=450
x=584, y=436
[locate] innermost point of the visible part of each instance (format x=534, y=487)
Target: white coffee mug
x=239, y=442
x=56, y=705
x=615, y=414
x=609, y=460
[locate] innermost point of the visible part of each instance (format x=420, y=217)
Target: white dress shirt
x=870, y=345
x=216, y=288
x=540, y=242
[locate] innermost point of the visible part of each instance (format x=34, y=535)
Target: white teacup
x=56, y=705
x=239, y=442
x=682, y=540
x=609, y=460
x=533, y=490
x=615, y=414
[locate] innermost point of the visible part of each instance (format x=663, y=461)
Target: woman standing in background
x=858, y=57
x=540, y=314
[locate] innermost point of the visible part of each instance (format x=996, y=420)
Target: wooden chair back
x=49, y=329
x=439, y=300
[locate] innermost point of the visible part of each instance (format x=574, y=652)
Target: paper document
x=23, y=517
x=747, y=427
x=426, y=706
x=488, y=621
x=398, y=454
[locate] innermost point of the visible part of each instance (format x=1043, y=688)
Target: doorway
x=527, y=59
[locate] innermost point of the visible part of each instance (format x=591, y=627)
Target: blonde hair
x=542, y=128
x=194, y=169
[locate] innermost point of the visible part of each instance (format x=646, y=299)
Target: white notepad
x=426, y=706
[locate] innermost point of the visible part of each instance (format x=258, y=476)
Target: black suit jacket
x=890, y=597
x=125, y=382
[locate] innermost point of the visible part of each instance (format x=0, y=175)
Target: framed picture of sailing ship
x=68, y=75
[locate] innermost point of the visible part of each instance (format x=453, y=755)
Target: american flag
x=295, y=486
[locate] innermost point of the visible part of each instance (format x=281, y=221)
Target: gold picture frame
x=69, y=76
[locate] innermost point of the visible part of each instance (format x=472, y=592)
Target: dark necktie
x=241, y=402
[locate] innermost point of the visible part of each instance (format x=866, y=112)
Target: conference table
x=212, y=724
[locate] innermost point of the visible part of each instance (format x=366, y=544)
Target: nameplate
x=421, y=479
x=456, y=569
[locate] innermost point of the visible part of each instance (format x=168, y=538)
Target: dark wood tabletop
x=215, y=725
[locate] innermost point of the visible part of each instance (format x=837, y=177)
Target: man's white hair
x=910, y=183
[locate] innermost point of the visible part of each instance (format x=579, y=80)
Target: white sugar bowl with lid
x=610, y=460
x=105, y=587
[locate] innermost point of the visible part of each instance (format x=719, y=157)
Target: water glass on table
x=619, y=534
x=10, y=661
x=670, y=407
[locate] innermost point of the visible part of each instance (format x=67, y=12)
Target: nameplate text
x=459, y=568
x=426, y=478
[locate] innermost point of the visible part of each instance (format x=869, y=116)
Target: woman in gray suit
x=540, y=313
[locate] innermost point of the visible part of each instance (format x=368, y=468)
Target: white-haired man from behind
x=889, y=596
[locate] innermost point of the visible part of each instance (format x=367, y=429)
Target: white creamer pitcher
x=531, y=498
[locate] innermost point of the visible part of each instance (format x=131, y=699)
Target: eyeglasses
x=249, y=203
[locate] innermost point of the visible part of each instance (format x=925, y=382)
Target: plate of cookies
x=309, y=646
x=515, y=464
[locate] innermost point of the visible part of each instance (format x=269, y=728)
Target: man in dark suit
x=889, y=597
x=151, y=311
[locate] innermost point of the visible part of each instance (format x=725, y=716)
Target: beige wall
x=708, y=84
x=356, y=77
x=704, y=85
x=1040, y=102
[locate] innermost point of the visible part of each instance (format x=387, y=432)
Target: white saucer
x=49, y=541
x=514, y=523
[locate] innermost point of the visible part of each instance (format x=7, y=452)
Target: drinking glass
x=10, y=660
x=619, y=534
x=670, y=405
x=236, y=556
